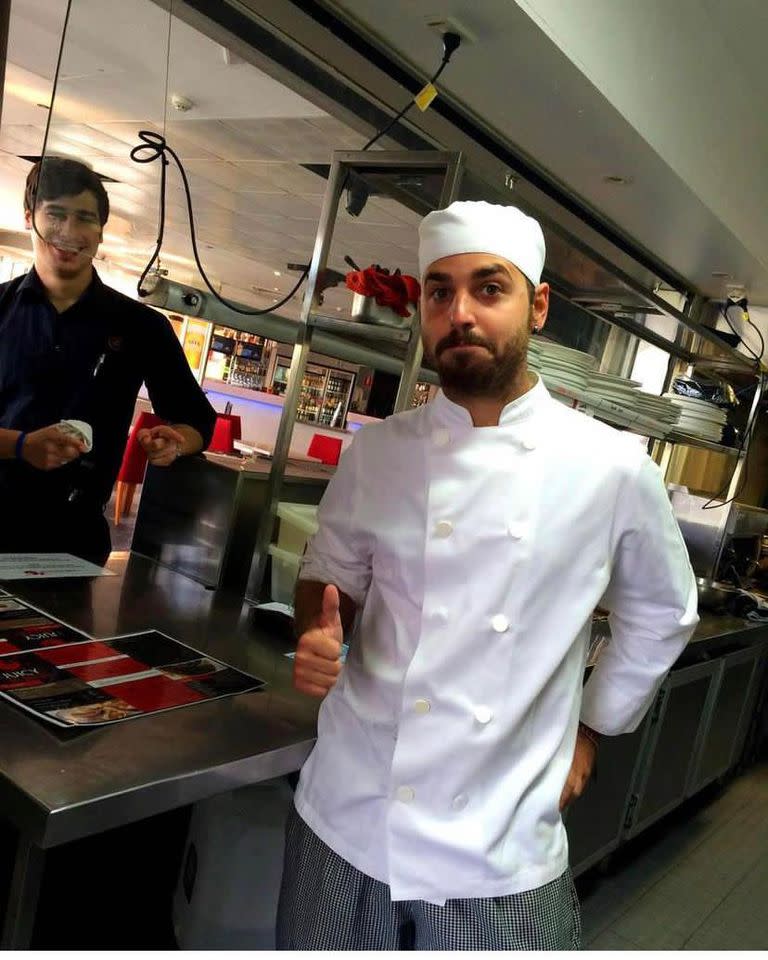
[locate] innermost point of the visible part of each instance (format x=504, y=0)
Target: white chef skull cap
x=475, y=226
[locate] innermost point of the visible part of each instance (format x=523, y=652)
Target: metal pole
x=24, y=894
x=413, y=357
x=298, y=366
x=5, y=17
x=733, y=486
x=411, y=367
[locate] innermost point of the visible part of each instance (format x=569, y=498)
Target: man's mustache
x=458, y=339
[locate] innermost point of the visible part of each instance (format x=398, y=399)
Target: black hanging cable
x=451, y=43
x=742, y=304
x=56, y=75
x=154, y=146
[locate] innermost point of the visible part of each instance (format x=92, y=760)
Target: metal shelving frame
x=661, y=448
x=684, y=353
x=344, y=164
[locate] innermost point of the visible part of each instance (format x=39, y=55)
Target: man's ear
x=27, y=219
x=540, y=306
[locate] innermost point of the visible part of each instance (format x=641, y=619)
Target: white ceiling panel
x=246, y=136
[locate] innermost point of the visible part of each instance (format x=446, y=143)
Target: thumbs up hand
x=317, y=663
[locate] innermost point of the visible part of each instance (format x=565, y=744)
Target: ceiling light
x=617, y=180
x=721, y=275
x=277, y=273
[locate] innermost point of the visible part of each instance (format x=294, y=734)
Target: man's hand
x=581, y=769
x=50, y=448
x=317, y=662
x=162, y=444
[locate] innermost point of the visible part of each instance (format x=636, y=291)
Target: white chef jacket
x=477, y=556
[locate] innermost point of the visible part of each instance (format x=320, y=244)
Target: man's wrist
x=8, y=440
x=592, y=735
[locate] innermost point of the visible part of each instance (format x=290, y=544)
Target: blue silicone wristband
x=20, y=444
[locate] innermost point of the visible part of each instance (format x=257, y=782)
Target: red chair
x=226, y=431
x=326, y=449
x=134, y=465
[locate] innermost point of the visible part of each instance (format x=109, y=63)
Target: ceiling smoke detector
x=182, y=104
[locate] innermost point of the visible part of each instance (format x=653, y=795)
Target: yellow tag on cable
x=425, y=96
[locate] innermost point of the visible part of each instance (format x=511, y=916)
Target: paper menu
x=68, y=679
x=41, y=566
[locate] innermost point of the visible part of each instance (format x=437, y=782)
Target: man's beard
x=473, y=375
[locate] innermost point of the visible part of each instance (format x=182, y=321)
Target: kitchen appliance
x=724, y=541
x=714, y=595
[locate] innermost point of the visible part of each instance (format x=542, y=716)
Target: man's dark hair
x=56, y=177
x=530, y=288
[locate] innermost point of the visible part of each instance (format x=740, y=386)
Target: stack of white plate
x=560, y=366
x=657, y=408
x=699, y=417
x=624, y=393
x=619, y=390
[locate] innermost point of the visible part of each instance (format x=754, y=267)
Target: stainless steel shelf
x=618, y=416
x=689, y=440
x=723, y=368
x=362, y=331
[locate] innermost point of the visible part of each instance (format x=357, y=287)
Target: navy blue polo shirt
x=86, y=363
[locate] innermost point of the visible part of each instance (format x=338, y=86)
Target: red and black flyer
x=23, y=627
x=60, y=675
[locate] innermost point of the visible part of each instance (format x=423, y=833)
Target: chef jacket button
x=516, y=531
x=441, y=437
x=441, y=615
x=460, y=801
x=443, y=528
x=500, y=623
x=405, y=794
x=422, y=706
x=528, y=444
x=483, y=715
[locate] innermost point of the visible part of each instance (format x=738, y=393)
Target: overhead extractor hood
x=311, y=48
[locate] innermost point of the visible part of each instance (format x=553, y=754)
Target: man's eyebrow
x=491, y=271
x=480, y=274
x=59, y=207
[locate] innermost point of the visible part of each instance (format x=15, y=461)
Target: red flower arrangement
x=395, y=290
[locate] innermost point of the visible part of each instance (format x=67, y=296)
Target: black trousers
x=79, y=528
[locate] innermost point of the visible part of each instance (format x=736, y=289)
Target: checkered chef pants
x=326, y=904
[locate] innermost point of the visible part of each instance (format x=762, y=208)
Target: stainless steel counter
x=58, y=786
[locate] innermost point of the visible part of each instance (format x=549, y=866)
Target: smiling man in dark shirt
x=73, y=348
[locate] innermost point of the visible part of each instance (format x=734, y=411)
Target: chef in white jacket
x=462, y=549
